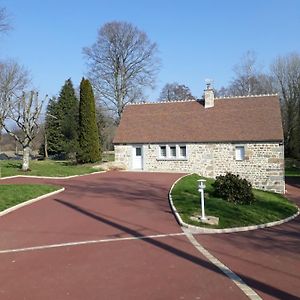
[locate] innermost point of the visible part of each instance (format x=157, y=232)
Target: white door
x=137, y=158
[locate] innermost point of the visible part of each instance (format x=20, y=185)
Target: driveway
x=268, y=260
x=113, y=236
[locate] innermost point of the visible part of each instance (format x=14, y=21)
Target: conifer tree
x=68, y=110
x=53, y=134
x=88, y=131
x=62, y=122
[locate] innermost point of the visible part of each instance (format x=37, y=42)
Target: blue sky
x=196, y=39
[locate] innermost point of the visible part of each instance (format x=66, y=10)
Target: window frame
x=243, y=153
x=179, y=152
x=168, y=156
x=160, y=152
x=171, y=147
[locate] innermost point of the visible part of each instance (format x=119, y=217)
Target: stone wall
x=263, y=165
x=123, y=155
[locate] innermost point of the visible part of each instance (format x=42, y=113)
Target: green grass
x=44, y=168
x=13, y=194
x=292, y=171
x=292, y=167
x=268, y=206
x=108, y=156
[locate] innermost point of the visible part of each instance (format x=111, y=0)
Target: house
x=211, y=136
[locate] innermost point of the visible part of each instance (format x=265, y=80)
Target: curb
x=25, y=203
x=196, y=229
x=50, y=177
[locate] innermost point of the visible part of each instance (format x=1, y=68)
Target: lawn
x=13, y=194
x=44, y=168
x=108, y=156
x=268, y=206
x=292, y=167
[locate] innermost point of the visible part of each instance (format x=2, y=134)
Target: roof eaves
x=204, y=142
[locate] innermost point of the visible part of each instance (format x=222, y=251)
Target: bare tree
x=249, y=79
x=174, y=91
x=25, y=112
x=286, y=70
x=13, y=79
x=106, y=126
x=122, y=62
x=245, y=73
x=4, y=22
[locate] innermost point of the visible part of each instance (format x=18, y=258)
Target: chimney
x=209, y=97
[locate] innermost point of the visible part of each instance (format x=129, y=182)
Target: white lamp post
x=201, y=188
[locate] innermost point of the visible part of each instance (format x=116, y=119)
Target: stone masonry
x=263, y=165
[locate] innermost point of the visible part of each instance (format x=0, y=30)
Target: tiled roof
x=238, y=119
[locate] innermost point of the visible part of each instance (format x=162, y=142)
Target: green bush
x=234, y=189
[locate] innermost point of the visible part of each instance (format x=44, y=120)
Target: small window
x=138, y=151
x=163, y=151
x=239, y=152
x=182, y=151
x=173, y=151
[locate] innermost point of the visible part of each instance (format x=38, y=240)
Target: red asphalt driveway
x=268, y=260
x=118, y=205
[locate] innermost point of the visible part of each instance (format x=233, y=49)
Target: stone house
x=211, y=136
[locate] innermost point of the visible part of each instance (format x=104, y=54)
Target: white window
x=182, y=151
x=138, y=151
x=173, y=151
x=163, y=151
x=239, y=152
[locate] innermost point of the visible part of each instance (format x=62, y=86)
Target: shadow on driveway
x=255, y=284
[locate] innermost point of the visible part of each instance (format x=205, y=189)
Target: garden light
x=201, y=188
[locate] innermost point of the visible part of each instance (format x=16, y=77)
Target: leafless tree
x=25, y=112
x=175, y=91
x=13, y=79
x=249, y=79
x=4, y=22
x=122, y=62
x=106, y=126
x=286, y=70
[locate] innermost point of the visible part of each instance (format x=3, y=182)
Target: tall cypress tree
x=88, y=130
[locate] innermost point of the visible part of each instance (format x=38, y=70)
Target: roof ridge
x=248, y=96
x=161, y=102
x=191, y=100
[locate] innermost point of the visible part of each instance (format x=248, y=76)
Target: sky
x=196, y=39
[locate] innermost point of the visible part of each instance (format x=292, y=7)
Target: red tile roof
x=254, y=118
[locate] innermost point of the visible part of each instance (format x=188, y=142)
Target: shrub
x=234, y=189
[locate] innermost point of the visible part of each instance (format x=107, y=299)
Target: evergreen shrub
x=234, y=189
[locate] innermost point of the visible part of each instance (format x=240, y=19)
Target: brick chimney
x=209, y=97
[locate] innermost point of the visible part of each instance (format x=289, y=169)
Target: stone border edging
x=25, y=203
x=50, y=177
x=196, y=229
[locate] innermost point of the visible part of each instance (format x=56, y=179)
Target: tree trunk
x=26, y=158
x=45, y=146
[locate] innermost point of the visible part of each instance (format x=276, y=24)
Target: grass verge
x=44, y=168
x=268, y=206
x=108, y=156
x=13, y=194
x=292, y=167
